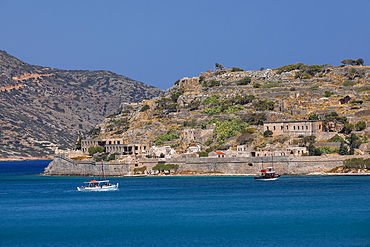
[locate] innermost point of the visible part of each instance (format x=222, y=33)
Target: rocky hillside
x=227, y=107
x=41, y=107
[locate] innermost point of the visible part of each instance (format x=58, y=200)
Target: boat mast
x=102, y=169
x=272, y=160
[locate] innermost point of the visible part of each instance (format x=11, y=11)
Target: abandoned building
x=294, y=128
x=114, y=146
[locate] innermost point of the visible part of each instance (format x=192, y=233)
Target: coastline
x=26, y=158
x=216, y=175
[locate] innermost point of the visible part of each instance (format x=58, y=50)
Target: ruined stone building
x=295, y=128
x=114, y=146
x=249, y=151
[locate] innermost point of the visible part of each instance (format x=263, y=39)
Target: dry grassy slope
x=294, y=99
x=52, y=105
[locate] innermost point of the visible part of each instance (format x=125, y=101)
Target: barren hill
x=41, y=107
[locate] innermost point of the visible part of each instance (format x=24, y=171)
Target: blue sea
x=182, y=211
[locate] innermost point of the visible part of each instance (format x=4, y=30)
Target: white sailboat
x=95, y=185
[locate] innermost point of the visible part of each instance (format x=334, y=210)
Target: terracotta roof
x=219, y=152
x=331, y=154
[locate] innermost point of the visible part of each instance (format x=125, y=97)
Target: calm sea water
x=182, y=211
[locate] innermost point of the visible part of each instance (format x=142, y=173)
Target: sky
x=158, y=42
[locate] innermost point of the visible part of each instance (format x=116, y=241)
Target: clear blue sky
x=158, y=42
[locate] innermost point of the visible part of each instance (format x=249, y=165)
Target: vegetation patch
x=168, y=136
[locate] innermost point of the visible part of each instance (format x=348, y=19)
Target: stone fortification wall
x=302, y=165
x=61, y=166
x=252, y=165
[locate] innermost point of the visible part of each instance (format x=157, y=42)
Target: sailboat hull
x=266, y=179
x=98, y=188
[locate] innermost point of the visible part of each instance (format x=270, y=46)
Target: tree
x=313, y=117
x=360, y=61
x=348, y=128
x=361, y=125
x=161, y=155
x=218, y=66
x=354, y=141
x=313, y=151
x=343, y=150
x=349, y=62
x=268, y=133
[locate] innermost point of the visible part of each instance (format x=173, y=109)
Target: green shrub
x=271, y=85
x=168, y=136
x=167, y=167
x=228, y=128
x=348, y=128
x=336, y=138
x=349, y=83
x=94, y=150
x=244, y=81
x=213, y=83
x=313, y=117
x=357, y=163
x=256, y=85
x=289, y=67
x=328, y=93
x=209, y=141
x=329, y=150
x=234, y=69
x=141, y=169
x=112, y=116
x=268, y=133
x=262, y=105
x=203, y=154
x=175, y=96
x=343, y=150
x=212, y=100
x=361, y=125
x=234, y=109
x=212, y=111
x=256, y=118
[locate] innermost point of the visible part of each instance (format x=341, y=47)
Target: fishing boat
x=269, y=173
x=102, y=185
x=95, y=185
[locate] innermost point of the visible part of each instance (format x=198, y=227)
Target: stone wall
x=61, y=166
x=285, y=165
